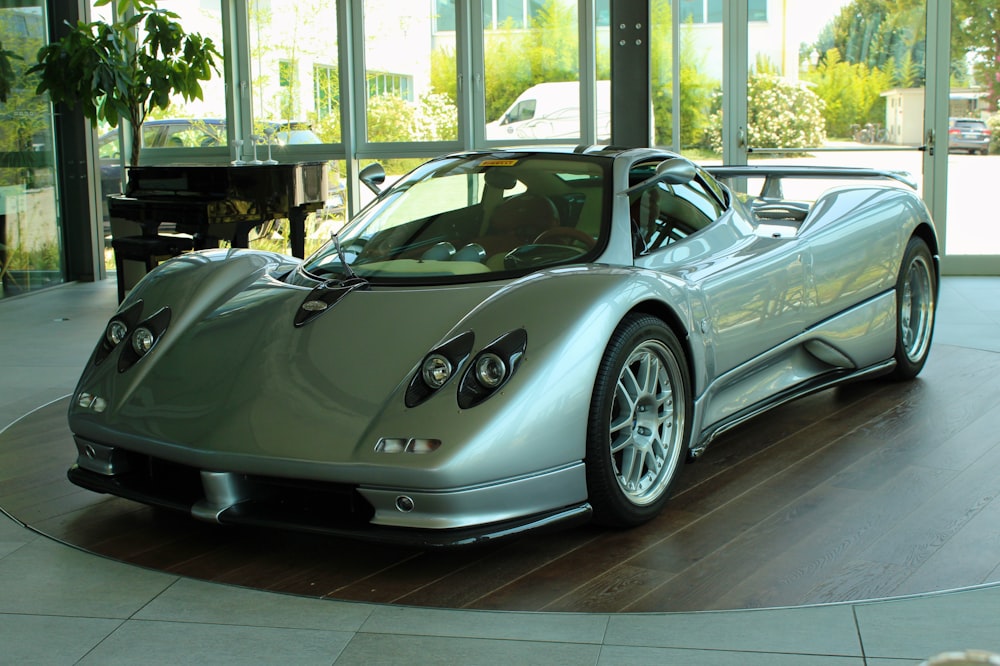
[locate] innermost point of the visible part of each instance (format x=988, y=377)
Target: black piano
x=216, y=203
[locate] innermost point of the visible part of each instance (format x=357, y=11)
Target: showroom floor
x=59, y=605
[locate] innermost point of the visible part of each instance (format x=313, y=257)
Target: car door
x=751, y=280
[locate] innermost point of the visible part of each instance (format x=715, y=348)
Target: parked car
x=551, y=111
x=501, y=341
x=968, y=134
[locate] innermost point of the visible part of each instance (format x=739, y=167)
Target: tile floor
x=59, y=605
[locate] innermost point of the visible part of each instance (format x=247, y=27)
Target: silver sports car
x=502, y=341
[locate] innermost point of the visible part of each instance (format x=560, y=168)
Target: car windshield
x=475, y=216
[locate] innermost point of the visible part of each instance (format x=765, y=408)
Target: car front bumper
x=411, y=517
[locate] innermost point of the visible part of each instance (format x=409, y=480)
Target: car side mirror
x=676, y=171
x=373, y=176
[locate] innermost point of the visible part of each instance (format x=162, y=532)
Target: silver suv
x=968, y=134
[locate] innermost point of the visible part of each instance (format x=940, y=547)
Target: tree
x=975, y=36
x=880, y=34
x=126, y=68
x=851, y=92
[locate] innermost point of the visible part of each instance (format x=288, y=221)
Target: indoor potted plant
x=126, y=68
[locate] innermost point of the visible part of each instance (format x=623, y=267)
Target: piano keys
x=216, y=203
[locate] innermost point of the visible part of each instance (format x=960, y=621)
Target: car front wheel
x=916, y=294
x=639, y=424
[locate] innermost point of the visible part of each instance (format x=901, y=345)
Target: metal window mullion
x=471, y=88
x=349, y=35
x=675, y=75
x=587, y=50
x=735, y=70
x=937, y=91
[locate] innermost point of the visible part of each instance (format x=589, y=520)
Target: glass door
x=836, y=84
x=971, y=235
x=686, y=68
x=31, y=247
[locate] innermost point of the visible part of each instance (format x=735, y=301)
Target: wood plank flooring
x=871, y=490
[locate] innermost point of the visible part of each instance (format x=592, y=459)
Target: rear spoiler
x=773, y=175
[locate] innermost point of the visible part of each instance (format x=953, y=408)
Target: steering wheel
x=560, y=236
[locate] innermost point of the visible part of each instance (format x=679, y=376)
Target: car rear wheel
x=916, y=294
x=639, y=425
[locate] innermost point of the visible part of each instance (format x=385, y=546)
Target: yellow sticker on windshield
x=487, y=163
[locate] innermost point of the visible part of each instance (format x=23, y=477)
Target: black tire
x=639, y=427
x=916, y=304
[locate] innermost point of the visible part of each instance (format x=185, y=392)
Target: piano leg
x=297, y=231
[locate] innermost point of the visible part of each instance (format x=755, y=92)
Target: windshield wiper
x=350, y=278
x=331, y=291
x=351, y=275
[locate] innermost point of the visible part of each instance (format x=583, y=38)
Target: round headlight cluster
x=142, y=340
x=491, y=371
x=492, y=368
x=484, y=376
x=436, y=371
x=438, y=368
x=117, y=330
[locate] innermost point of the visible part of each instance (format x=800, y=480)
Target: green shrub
x=993, y=122
x=782, y=114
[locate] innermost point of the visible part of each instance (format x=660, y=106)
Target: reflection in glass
x=973, y=129
x=826, y=77
x=532, y=69
x=700, y=82
x=30, y=228
x=411, y=98
x=295, y=72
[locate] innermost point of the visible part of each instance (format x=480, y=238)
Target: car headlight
x=491, y=371
x=492, y=368
x=117, y=331
x=144, y=338
x=436, y=371
x=438, y=367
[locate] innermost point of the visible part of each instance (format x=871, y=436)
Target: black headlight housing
x=438, y=368
x=135, y=338
x=117, y=331
x=492, y=368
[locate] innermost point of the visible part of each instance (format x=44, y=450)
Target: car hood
x=233, y=374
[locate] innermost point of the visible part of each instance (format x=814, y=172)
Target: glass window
x=973, y=136
x=844, y=83
x=699, y=86
x=710, y=11
x=444, y=16
x=664, y=214
x=692, y=11
x=462, y=218
x=294, y=66
x=411, y=98
x=714, y=13
x=602, y=11
x=31, y=246
x=205, y=18
x=757, y=10
x=510, y=13
x=326, y=91
x=532, y=77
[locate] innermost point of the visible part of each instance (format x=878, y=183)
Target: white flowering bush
x=392, y=118
x=993, y=123
x=781, y=114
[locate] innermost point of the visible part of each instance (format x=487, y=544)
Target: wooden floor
x=868, y=491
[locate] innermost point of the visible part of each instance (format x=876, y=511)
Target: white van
x=551, y=111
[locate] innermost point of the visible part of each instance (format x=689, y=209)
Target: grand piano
x=216, y=203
